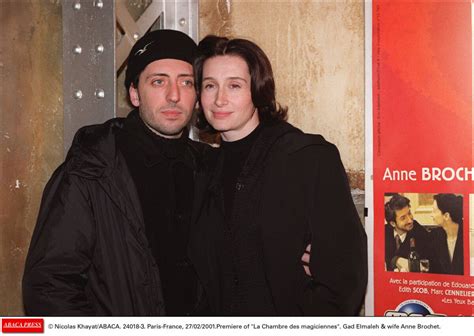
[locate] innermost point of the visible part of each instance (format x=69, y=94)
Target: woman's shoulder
x=437, y=233
x=295, y=141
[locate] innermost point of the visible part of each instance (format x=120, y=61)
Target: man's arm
x=401, y=264
x=390, y=248
x=60, y=251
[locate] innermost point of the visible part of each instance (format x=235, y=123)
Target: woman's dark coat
x=441, y=261
x=305, y=197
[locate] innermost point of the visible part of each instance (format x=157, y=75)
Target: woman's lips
x=221, y=115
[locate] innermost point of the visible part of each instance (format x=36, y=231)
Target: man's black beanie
x=156, y=45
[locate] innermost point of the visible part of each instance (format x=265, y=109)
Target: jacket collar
x=94, y=154
x=270, y=133
x=154, y=148
x=93, y=151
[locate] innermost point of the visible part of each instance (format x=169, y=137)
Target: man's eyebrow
x=159, y=74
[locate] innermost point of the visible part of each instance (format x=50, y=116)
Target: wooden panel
x=317, y=53
x=31, y=129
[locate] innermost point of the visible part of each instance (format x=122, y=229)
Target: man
x=400, y=229
x=119, y=208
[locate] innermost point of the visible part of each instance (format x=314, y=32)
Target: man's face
x=165, y=96
x=403, y=220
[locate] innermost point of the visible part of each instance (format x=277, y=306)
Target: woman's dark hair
x=262, y=84
x=452, y=204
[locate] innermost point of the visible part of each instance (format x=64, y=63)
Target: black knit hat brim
x=156, y=45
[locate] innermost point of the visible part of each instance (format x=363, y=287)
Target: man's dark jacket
x=304, y=198
x=89, y=254
x=422, y=243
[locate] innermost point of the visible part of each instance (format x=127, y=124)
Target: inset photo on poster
x=424, y=233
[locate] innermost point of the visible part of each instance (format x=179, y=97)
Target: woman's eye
x=208, y=86
x=234, y=86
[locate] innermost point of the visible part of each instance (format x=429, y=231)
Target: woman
x=273, y=191
x=448, y=213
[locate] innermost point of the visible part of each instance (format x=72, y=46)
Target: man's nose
x=173, y=92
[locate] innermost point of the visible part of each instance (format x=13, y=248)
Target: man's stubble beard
x=173, y=131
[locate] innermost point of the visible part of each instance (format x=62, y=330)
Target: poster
x=422, y=151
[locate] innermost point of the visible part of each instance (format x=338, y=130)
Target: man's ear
x=134, y=97
x=392, y=223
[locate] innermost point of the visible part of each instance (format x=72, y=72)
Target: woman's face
x=226, y=97
x=437, y=215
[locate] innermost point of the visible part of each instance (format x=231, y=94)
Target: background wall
x=30, y=129
x=317, y=52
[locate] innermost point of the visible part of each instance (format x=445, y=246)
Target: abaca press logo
x=22, y=325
